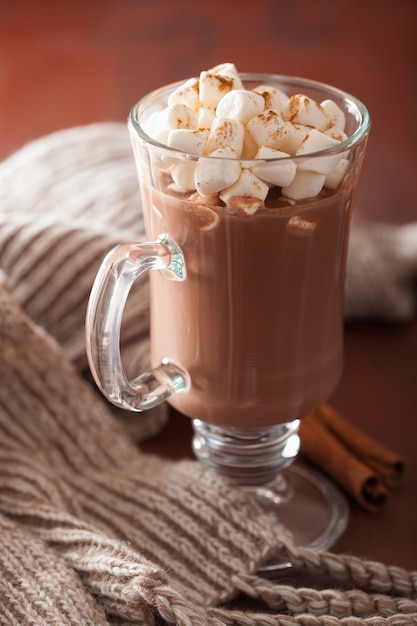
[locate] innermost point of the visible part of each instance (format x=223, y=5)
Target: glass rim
x=296, y=81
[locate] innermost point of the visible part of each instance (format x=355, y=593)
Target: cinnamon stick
x=387, y=464
x=323, y=449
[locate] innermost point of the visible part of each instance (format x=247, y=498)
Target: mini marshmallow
x=240, y=204
x=250, y=147
x=276, y=173
x=183, y=176
x=190, y=141
x=292, y=137
x=335, y=177
x=213, y=86
x=208, y=218
x=214, y=174
x=335, y=133
x=176, y=116
x=206, y=116
x=301, y=109
x=154, y=127
x=247, y=186
x=274, y=98
x=315, y=142
x=298, y=225
x=240, y=104
x=229, y=70
x=187, y=94
x=210, y=200
x=304, y=185
x=267, y=128
x=225, y=132
x=334, y=115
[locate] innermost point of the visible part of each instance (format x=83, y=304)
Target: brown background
x=76, y=62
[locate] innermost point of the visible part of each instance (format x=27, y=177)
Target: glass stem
x=248, y=456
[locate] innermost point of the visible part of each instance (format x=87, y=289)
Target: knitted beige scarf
x=92, y=530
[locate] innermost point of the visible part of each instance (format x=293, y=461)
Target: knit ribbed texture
x=92, y=530
x=65, y=200
x=381, y=271
x=71, y=478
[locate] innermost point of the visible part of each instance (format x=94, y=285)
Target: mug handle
x=119, y=270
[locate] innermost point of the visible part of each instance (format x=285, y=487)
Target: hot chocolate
x=255, y=186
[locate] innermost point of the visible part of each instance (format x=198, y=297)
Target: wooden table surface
x=69, y=63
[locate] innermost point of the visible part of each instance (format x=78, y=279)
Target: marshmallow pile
x=247, y=130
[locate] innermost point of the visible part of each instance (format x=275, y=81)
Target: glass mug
x=246, y=303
